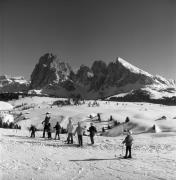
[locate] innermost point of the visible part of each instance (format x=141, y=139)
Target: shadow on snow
x=93, y=159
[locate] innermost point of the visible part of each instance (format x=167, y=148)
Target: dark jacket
x=128, y=140
x=49, y=128
x=33, y=129
x=46, y=121
x=92, y=130
x=57, y=127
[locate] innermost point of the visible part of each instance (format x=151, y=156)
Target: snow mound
x=4, y=106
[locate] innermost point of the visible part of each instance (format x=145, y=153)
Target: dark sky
x=80, y=31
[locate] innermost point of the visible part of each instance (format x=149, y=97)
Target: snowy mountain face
x=100, y=80
x=148, y=79
x=117, y=79
x=154, y=89
x=131, y=67
x=13, y=84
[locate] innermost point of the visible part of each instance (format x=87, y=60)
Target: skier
x=33, y=129
x=127, y=120
x=111, y=118
x=92, y=129
x=79, y=130
x=58, y=130
x=128, y=143
x=70, y=132
x=45, y=123
x=109, y=127
x=49, y=131
x=99, y=118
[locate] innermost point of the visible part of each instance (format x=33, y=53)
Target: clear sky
x=80, y=31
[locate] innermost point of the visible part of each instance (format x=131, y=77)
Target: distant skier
x=45, y=123
x=79, y=130
x=154, y=127
x=109, y=127
x=49, y=131
x=111, y=118
x=128, y=143
x=92, y=129
x=70, y=132
x=127, y=120
x=99, y=118
x=58, y=130
x=33, y=129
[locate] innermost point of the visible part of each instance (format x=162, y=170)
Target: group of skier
x=80, y=131
x=47, y=128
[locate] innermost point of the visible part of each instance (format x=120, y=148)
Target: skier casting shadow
x=70, y=132
x=128, y=143
x=92, y=129
x=79, y=130
x=58, y=130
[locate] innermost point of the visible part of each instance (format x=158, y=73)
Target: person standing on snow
x=58, y=129
x=128, y=143
x=70, y=132
x=79, y=130
x=33, y=129
x=92, y=129
x=45, y=123
x=99, y=118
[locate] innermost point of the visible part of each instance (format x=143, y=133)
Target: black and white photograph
x=87, y=89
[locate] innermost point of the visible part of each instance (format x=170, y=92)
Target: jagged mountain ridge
x=49, y=70
x=54, y=77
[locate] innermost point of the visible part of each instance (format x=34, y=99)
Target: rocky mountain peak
x=54, y=77
x=13, y=84
x=49, y=70
x=131, y=67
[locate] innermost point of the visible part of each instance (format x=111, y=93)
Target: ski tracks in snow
x=26, y=158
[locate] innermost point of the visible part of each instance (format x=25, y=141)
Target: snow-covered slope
x=158, y=80
x=153, y=154
x=132, y=68
x=4, y=106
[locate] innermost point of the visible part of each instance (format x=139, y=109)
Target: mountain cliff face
x=100, y=80
x=49, y=70
x=118, y=79
x=13, y=84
